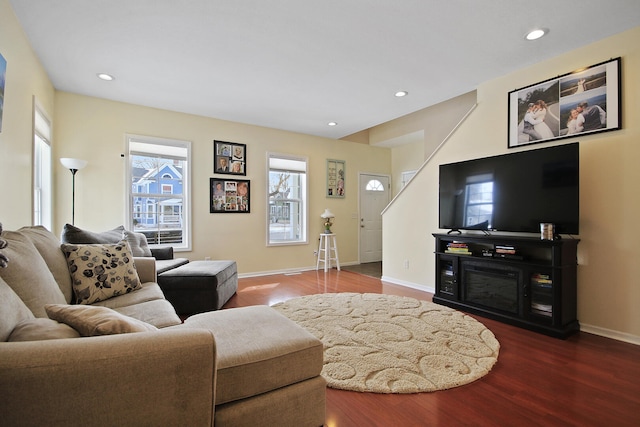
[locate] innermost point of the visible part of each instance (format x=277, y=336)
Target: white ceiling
x=299, y=64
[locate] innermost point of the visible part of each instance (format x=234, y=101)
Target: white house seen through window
x=158, y=190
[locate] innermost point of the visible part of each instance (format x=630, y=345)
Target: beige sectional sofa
x=127, y=359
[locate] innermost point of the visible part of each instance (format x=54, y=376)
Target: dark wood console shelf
x=523, y=281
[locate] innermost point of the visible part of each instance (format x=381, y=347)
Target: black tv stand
x=523, y=281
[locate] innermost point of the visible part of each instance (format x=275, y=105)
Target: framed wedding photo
x=229, y=195
x=582, y=102
x=229, y=158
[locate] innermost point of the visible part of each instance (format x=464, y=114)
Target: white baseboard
x=609, y=333
x=287, y=270
x=273, y=272
x=412, y=285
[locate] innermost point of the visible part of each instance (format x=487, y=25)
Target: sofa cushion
x=159, y=313
x=148, y=291
x=138, y=243
x=273, y=352
x=73, y=234
x=49, y=247
x=91, y=321
x=101, y=271
x=28, y=274
x=12, y=310
x=40, y=329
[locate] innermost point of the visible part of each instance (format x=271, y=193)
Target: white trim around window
x=287, y=219
x=153, y=164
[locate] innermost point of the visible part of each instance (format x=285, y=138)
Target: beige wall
x=25, y=80
x=94, y=129
x=404, y=158
x=608, y=272
x=414, y=137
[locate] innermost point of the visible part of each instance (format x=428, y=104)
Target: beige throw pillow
x=49, y=247
x=101, y=271
x=12, y=310
x=91, y=321
x=29, y=275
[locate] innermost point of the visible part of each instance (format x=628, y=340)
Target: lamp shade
x=70, y=163
x=327, y=214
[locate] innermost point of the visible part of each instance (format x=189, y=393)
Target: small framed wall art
x=582, y=102
x=229, y=158
x=335, y=178
x=229, y=195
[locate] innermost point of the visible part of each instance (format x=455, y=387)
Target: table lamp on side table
x=327, y=216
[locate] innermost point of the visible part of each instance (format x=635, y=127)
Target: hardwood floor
x=585, y=380
x=373, y=269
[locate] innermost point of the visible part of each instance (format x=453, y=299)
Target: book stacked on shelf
x=506, y=251
x=458, y=248
x=542, y=295
x=543, y=280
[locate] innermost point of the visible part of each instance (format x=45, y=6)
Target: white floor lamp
x=74, y=165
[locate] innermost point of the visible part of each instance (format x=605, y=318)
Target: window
x=167, y=189
x=41, y=169
x=287, y=210
x=374, y=185
x=158, y=187
x=406, y=177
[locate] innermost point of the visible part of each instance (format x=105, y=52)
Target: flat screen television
x=513, y=192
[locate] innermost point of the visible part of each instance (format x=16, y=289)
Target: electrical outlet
x=207, y=258
x=315, y=253
x=405, y=264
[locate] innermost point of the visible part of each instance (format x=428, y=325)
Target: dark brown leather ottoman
x=199, y=286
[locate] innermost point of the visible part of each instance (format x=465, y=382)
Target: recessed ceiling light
x=105, y=76
x=535, y=34
x=401, y=93
x=333, y=123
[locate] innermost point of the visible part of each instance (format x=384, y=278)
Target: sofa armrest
x=146, y=268
x=149, y=378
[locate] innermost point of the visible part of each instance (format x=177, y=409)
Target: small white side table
x=325, y=248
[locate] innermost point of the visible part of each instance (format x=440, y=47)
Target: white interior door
x=374, y=197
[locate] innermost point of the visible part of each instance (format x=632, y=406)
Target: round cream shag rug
x=390, y=344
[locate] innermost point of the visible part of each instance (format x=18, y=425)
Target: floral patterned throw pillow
x=101, y=271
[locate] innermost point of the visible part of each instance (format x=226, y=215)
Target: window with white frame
x=406, y=176
x=374, y=185
x=42, y=211
x=287, y=210
x=158, y=188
